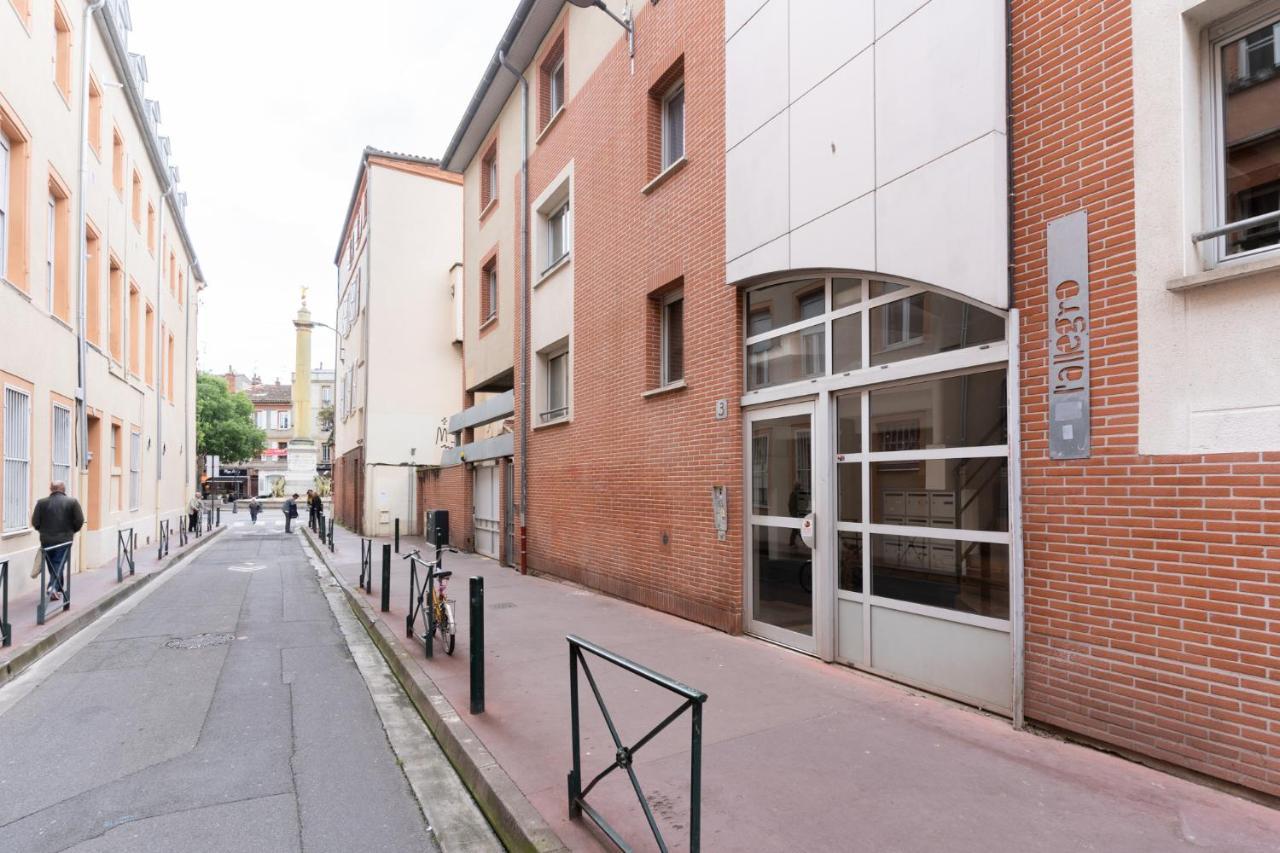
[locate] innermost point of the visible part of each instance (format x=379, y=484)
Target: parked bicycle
x=430, y=598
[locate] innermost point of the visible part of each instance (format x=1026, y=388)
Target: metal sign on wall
x=1068, y=329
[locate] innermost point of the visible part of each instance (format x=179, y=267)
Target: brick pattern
x=1152, y=583
x=620, y=496
x=449, y=489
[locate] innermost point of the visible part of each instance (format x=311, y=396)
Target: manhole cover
x=200, y=641
x=502, y=605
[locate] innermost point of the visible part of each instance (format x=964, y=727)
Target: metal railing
x=6, y=630
x=366, y=564
x=624, y=757
x=162, y=540
x=126, y=541
x=1239, y=225
x=48, y=586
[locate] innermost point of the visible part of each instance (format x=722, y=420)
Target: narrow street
x=230, y=707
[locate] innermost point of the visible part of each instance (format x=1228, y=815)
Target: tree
x=325, y=416
x=224, y=422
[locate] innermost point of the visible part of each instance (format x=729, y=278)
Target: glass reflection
x=959, y=411
x=782, y=579
x=971, y=577
x=850, y=561
x=928, y=323
x=787, y=358
x=782, y=304
x=849, y=418
x=846, y=343
x=781, y=466
x=845, y=292
x=849, y=488
x=1251, y=135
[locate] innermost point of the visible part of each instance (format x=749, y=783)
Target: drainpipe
x=157, y=357
x=82, y=345
x=524, y=309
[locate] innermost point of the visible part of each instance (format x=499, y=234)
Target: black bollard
x=386, y=578
x=477, y=645
x=219, y=514
x=331, y=535
x=397, y=536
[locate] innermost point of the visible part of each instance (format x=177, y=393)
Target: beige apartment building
x=398, y=311
x=98, y=299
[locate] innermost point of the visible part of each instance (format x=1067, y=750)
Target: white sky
x=269, y=105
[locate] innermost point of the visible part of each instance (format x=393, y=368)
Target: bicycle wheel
x=444, y=624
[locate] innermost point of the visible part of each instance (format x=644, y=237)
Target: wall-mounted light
x=625, y=22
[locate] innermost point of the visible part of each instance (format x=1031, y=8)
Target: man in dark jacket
x=290, y=512
x=317, y=513
x=58, y=518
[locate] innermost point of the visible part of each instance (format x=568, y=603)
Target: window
x=137, y=200
x=173, y=274
x=115, y=311
x=50, y=250
x=1247, y=86
x=135, y=470
x=135, y=320
x=673, y=126
x=555, y=396
x=93, y=285
x=151, y=228
x=326, y=394
x=4, y=199
x=17, y=457
x=149, y=359
x=117, y=493
x=168, y=366
x=489, y=291
x=62, y=51
x=673, y=339
x=551, y=82
x=489, y=177
x=61, y=455
x=557, y=235
x=261, y=416
x=95, y=116
x=117, y=161
x=58, y=249
x=281, y=419
x=182, y=286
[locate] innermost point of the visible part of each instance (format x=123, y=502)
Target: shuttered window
x=17, y=458
x=62, y=446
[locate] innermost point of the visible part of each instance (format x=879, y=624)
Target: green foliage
x=325, y=417
x=224, y=422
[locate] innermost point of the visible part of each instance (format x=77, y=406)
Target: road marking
x=247, y=566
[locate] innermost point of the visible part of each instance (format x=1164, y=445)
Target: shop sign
x=1068, y=327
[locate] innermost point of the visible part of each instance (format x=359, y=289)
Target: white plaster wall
x=414, y=369
x=868, y=135
x=1207, y=378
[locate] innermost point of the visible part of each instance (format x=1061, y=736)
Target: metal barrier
x=6, y=630
x=366, y=564
x=182, y=531
x=421, y=596
x=625, y=755
x=125, y=542
x=47, y=586
x=162, y=540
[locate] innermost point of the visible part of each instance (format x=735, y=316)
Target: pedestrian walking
x=193, y=514
x=290, y=512
x=254, y=508
x=317, y=513
x=58, y=518
x=311, y=510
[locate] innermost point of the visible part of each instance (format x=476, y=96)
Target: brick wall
x=449, y=489
x=620, y=497
x=1151, y=582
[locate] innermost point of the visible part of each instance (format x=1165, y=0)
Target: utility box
x=437, y=527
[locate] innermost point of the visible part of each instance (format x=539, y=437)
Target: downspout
x=524, y=310
x=367, y=283
x=158, y=356
x=82, y=343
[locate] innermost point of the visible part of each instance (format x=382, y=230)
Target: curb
x=518, y=824
x=12, y=667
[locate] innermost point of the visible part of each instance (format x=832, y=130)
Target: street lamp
x=626, y=23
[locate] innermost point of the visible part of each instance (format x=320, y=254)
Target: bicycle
x=437, y=609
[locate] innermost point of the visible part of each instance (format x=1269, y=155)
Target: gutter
x=158, y=355
x=523, y=419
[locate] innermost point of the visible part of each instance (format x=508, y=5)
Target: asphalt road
x=220, y=709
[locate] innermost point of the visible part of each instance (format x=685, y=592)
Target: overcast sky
x=269, y=105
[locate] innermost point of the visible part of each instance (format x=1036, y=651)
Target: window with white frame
x=135, y=470
x=286, y=419
x=50, y=250
x=261, y=416
x=17, y=457
x=673, y=125
x=1246, y=93
x=4, y=201
x=61, y=456
x=557, y=230
x=326, y=394
x=555, y=381
x=555, y=81
x=672, y=338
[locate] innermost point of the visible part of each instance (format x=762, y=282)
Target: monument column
x=301, y=473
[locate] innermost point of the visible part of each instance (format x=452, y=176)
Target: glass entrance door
x=781, y=550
